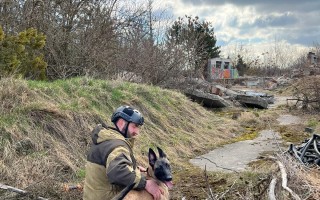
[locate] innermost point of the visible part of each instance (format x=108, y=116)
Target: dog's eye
x=167, y=165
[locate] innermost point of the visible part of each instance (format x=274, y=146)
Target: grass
x=45, y=134
x=117, y=95
x=81, y=174
x=312, y=122
x=46, y=126
x=7, y=120
x=250, y=135
x=192, y=183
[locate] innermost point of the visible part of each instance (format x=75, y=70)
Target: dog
x=160, y=170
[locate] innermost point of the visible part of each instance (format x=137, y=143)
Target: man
x=111, y=165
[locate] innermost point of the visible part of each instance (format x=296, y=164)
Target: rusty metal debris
x=308, y=152
x=68, y=188
x=17, y=190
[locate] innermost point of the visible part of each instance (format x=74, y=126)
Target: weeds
x=45, y=127
x=47, y=131
x=312, y=123
x=81, y=173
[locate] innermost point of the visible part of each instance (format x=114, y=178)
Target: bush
x=20, y=55
x=306, y=91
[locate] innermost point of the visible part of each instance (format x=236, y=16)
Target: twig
x=284, y=181
x=207, y=181
x=16, y=190
x=206, y=193
x=228, y=190
x=264, y=188
x=272, y=186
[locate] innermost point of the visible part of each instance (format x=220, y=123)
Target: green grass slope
x=45, y=128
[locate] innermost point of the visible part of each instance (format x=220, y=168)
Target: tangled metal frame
x=308, y=152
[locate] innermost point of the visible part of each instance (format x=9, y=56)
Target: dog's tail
x=123, y=192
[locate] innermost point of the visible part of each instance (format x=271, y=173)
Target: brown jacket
x=110, y=165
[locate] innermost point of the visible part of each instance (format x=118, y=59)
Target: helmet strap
x=126, y=130
x=125, y=133
x=117, y=128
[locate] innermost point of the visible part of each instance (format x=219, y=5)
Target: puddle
x=288, y=119
x=236, y=156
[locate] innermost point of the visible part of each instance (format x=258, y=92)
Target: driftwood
x=17, y=190
x=272, y=187
x=285, y=180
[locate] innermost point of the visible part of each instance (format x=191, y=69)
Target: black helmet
x=127, y=113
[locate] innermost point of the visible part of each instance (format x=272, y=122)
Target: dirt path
x=288, y=119
x=236, y=156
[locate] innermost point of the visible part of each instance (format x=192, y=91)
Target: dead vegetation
x=199, y=184
x=306, y=93
x=278, y=177
x=295, y=181
x=301, y=180
x=46, y=134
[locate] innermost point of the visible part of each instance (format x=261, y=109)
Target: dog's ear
x=152, y=157
x=161, y=153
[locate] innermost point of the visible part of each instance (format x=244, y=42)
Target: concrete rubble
x=211, y=94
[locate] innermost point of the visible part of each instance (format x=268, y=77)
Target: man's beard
x=124, y=133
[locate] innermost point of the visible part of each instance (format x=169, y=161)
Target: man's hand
x=153, y=188
x=142, y=169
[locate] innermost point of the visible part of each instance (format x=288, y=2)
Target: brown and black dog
x=160, y=170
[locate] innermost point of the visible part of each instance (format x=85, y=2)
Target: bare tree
x=306, y=92
x=10, y=16
x=100, y=38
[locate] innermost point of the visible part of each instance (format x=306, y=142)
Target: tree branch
x=284, y=181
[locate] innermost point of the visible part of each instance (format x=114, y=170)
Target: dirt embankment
x=45, y=129
x=45, y=133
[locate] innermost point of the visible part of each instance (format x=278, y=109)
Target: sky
x=256, y=24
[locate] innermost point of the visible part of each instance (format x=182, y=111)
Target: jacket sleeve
x=120, y=170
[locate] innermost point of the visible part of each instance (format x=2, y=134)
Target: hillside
x=45, y=128
x=45, y=134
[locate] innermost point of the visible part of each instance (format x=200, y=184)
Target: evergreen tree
x=20, y=54
x=197, y=40
x=241, y=66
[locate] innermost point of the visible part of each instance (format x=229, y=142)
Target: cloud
x=256, y=22
x=263, y=5
x=273, y=20
x=256, y=26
